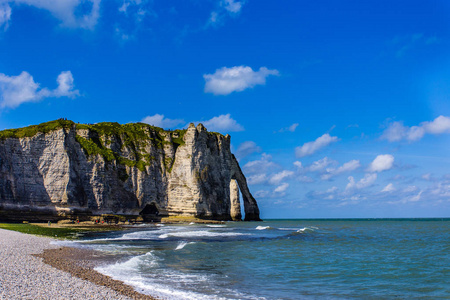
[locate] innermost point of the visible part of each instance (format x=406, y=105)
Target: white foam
x=216, y=226
x=130, y=266
x=200, y=234
x=181, y=245
x=305, y=229
x=168, y=292
x=128, y=272
x=262, y=227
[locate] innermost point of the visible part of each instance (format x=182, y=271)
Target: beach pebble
x=23, y=276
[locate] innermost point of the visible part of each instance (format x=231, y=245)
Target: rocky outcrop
x=235, y=211
x=61, y=168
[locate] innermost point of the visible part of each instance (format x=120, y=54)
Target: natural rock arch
x=250, y=206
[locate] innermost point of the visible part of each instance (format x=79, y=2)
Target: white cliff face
x=122, y=169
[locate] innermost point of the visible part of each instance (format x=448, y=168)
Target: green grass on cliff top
x=137, y=130
x=134, y=136
x=34, y=129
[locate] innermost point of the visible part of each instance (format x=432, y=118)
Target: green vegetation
x=180, y=133
x=132, y=137
x=61, y=233
x=91, y=148
x=34, y=129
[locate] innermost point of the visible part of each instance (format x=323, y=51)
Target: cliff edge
x=60, y=168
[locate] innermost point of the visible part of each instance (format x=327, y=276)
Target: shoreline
x=33, y=268
x=81, y=263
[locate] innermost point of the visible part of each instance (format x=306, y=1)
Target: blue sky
x=335, y=108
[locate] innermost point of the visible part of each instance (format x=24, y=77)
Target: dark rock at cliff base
x=59, y=169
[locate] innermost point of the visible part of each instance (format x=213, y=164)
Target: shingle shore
x=25, y=276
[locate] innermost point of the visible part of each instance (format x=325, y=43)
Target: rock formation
x=62, y=169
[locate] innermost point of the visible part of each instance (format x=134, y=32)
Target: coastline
x=33, y=268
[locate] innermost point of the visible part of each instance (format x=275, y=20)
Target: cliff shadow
x=151, y=213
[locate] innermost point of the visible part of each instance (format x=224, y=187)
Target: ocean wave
x=216, y=226
x=168, y=292
x=200, y=234
x=130, y=266
x=263, y=227
x=181, y=245
x=304, y=229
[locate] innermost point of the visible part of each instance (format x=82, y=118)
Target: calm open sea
x=284, y=259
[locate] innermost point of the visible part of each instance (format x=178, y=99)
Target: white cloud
x=247, y=148
x=388, y=188
x=281, y=188
x=214, y=18
x=298, y=164
x=15, y=90
x=366, y=181
x=381, y=163
x=124, y=7
x=310, y=148
x=236, y=79
x=5, y=15
x=410, y=189
x=71, y=13
x=261, y=165
x=346, y=167
x=232, y=5
x=396, y=131
x=222, y=123
x=320, y=164
x=225, y=8
x=304, y=178
x=160, y=121
x=65, y=85
x=426, y=176
x=416, y=197
x=438, y=126
x=257, y=179
x=261, y=194
x=278, y=177
x=291, y=128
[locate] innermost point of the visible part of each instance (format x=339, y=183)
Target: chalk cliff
x=61, y=168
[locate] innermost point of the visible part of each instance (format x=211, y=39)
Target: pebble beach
x=24, y=275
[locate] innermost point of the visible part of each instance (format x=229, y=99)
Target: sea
x=282, y=259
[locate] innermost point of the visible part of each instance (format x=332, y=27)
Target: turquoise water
x=284, y=259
